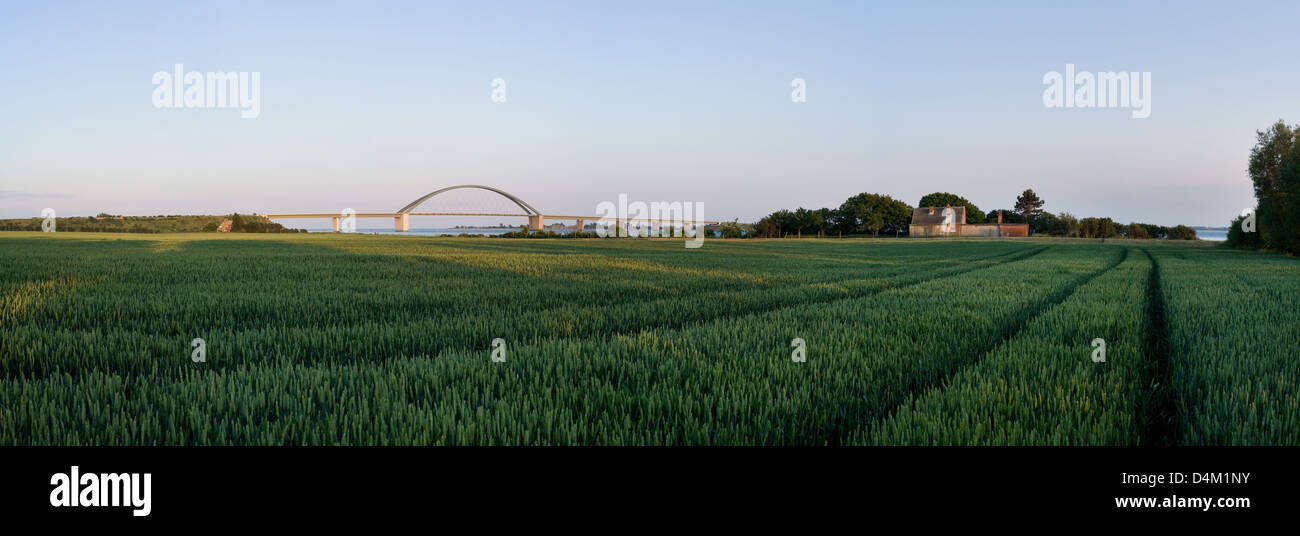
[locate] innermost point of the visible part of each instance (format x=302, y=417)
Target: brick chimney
x=999, y=216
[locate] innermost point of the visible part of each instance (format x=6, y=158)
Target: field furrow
x=356, y=340
x=1233, y=335
x=1042, y=386
x=132, y=349
x=730, y=381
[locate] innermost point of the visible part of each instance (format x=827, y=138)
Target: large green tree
x=1048, y=224
x=1008, y=216
x=1069, y=223
x=1102, y=228
x=1136, y=230
x=945, y=199
x=1275, y=171
x=1029, y=205
x=1182, y=232
x=873, y=213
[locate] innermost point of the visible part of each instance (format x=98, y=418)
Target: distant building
x=951, y=221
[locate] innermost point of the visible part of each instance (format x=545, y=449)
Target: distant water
x=1217, y=236
x=426, y=232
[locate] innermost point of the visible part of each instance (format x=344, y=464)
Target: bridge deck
x=324, y=215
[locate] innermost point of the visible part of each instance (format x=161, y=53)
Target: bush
x=731, y=230
x=1241, y=239
x=1182, y=232
x=1136, y=231
x=545, y=234
x=1098, y=228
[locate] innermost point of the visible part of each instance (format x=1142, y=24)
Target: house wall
x=988, y=230
x=1015, y=229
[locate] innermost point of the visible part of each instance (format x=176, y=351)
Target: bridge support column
x=402, y=223
x=580, y=225
x=654, y=228
x=336, y=224
x=536, y=222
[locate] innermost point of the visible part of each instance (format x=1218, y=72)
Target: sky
x=370, y=105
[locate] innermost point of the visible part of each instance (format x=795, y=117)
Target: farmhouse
x=951, y=221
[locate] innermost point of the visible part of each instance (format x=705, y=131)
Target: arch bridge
x=536, y=220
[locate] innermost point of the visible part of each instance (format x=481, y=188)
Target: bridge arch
x=528, y=209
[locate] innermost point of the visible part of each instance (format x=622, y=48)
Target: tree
x=1029, y=205
x=802, y=220
x=1069, y=224
x=730, y=229
x=1155, y=231
x=772, y=225
x=1182, y=232
x=1275, y=172
x=1238, y=237
x=874, y=213
x=814, y=221
x=1008, y=216
x=1107, y=229
x=1102, y=228
x=1136, y=230
x=824, y=218
x=1048, y=224
x=945, y=199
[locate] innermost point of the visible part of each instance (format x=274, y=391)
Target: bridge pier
x=401, y=223
x=580, y=225
x=336, y=223
x=536, y=222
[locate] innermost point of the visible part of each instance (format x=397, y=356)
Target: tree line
x=1274, y=170
x=877, y=214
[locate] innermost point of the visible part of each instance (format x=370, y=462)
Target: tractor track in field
x=1157, y=416
x=670, y=322
x=999, y=260
x=1008, y=332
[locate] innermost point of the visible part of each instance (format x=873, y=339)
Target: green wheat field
x=373, y=340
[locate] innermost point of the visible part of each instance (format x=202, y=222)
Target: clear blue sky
x=370, y=105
